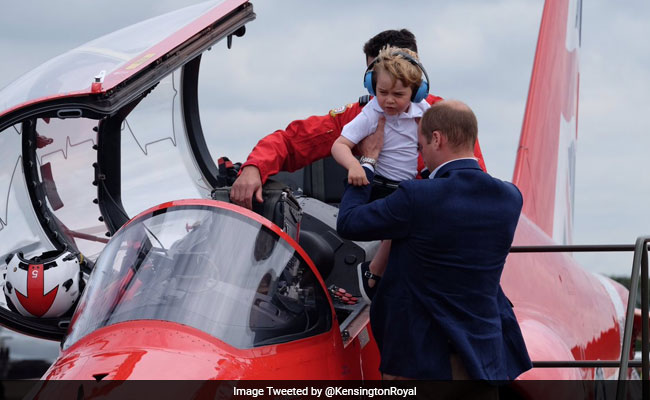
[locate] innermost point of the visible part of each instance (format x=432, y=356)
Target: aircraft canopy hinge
x=96, y=86
x=239, y=33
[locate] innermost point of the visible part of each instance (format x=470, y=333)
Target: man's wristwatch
x=368, y=160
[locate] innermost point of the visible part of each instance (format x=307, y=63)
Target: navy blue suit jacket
x=440, y=292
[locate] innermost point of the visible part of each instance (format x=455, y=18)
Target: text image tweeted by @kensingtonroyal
x=294, y=389
x=327, y=392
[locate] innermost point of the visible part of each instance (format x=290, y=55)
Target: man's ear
x=438, y=138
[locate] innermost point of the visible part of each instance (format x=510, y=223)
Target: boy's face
x=392, y=98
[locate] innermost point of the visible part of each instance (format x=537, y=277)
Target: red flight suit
x=308, y=140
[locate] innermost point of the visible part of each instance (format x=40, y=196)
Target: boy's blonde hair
x=398, y=67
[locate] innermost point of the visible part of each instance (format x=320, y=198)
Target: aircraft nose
x=148, y=350
x=112, y=389
x=140, y=364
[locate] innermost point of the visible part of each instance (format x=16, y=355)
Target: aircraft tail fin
x=545, y=166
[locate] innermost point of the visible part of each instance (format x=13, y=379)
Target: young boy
x=395, y=79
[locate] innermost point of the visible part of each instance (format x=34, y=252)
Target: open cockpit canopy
x=61, y=125
x=105, y=65
x=104, y=131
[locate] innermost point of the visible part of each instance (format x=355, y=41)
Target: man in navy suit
x=439, y=311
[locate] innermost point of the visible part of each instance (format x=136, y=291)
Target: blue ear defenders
x=370, y=81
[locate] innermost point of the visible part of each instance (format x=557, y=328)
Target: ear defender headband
x=370, y=81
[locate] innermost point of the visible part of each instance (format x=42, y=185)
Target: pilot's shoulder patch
x=339, y=110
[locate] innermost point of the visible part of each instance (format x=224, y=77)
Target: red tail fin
x=544, y=170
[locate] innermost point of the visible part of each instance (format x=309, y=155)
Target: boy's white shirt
x=398, y=159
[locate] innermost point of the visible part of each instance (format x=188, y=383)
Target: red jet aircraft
x=203, y=289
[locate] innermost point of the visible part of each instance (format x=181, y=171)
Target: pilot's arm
x=301, y=143
x=304, y=141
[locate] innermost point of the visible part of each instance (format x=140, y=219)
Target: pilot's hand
x=248, y=183
x=372, y=144
x=357, y=176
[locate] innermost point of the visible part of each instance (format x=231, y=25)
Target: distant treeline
x=625, y=281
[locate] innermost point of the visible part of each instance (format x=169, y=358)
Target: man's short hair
x=398, y=67
x=453, y=119
x=402, y=38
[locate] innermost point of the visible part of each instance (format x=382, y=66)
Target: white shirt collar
x=435, y=171
x=414, y=111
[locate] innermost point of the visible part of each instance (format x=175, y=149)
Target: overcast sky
x=300, y=58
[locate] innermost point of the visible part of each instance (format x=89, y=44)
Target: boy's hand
x=357, y=176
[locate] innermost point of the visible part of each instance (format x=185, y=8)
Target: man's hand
x=248, y=184
x=372, y=144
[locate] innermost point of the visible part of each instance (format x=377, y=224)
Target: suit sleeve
x=301, y=143
x=386, y=218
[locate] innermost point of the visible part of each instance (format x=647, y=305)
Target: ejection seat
x=323, y=180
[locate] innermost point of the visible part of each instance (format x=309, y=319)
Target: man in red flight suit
x=309, y=140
